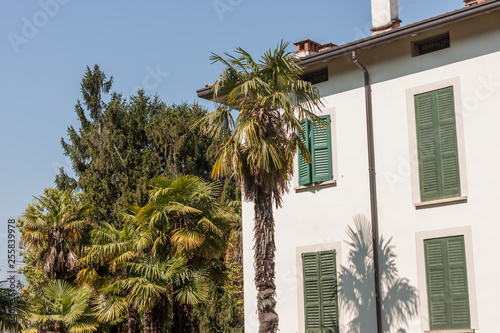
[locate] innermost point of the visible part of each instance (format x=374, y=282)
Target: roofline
x=389, y=36
x=205, y=93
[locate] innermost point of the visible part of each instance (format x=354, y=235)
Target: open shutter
x=321, y=151
x=447, y=288
x=329, y=292
x=312, y=293
x=304, y=166
x=437, y=145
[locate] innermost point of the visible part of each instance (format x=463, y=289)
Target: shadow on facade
x=356, y=287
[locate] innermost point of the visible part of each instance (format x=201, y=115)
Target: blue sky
x=161, y=46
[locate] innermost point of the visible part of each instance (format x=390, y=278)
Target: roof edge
x=444, y=19
x=417, y=27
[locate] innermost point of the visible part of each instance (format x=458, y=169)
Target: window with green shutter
x=437, y=145
x=320, y=292
x=318, y=140
x=447, y=288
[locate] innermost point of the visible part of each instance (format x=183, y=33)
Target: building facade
x=435, y=101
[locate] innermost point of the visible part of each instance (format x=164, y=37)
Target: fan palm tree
x=257, y=149
x=149, y=285
x=104, y=262
x=53, y=226
x=184, y=220
x=66, y=309
x=399, y=298
x=12, y=310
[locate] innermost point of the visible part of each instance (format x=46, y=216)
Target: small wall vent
x=431, y=44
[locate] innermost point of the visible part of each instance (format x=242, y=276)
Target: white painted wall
x=321, y=216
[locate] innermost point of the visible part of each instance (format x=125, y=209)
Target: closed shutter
x=304, y=166
x=312, y=293
x=447, y=287
x=437, y=145
x=320, y=292
x=329, y=291
x=321, y=152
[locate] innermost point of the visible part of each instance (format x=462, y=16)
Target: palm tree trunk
x=181, y=322
x=154, y=319
x=264, y=261
x=132, y=320
x=148, y=320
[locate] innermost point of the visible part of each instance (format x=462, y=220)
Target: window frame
x=420, y=237
x=413, y=143
x=337, y=247
x=333, y=150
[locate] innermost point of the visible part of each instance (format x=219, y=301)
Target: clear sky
x=162, y=46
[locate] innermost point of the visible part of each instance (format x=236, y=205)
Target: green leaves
x=53, y=227
x=257, y=149
x=67, y=307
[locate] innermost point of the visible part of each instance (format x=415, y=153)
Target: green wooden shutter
x=320, y=292
x=437, y=145
x=312, y=293
x=304, y=166
x=447, y=287
x=448, y=142
x=321, y=151
x=328, y=284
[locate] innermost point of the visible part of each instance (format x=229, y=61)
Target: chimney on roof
x=385, y=16
x=469, y=3
x=307, y=47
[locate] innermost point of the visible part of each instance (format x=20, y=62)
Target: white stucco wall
x=321, y=216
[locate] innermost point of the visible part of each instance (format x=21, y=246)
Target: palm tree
x=104, y=263
x=184, y=220
x=258, y=149
x=12, y=310
x=149, y=285
x=53, y=227
x=399, y=299
x=66, y=309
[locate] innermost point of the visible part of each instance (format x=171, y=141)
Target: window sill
x=315, y=186
x=453, y=330
x=440, y=202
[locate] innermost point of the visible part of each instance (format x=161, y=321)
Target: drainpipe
x=373, y=189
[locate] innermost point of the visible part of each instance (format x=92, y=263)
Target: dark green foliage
x=64, y=182
x=222, y=311
x=125, y=143
x=12, y=309
x=118, y=147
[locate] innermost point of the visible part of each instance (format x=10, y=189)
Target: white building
x=435, y=96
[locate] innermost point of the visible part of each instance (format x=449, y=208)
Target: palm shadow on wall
x=357, y=293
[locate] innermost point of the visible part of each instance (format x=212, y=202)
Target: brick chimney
x=469, y=3
x=307, y=47
x=385, y=16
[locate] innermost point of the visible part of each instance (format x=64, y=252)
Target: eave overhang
x=389, y=36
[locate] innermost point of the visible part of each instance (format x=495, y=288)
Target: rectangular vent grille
x=432, y=44
x=316, y=77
